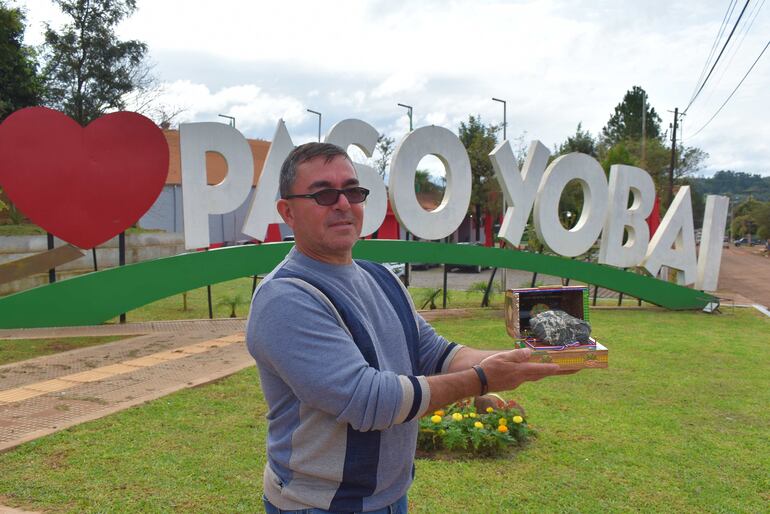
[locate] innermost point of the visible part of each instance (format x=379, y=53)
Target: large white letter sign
x=198, y=198
x=625, y=180
x=450, y=151
x=710, y=254
x=364, y=136
x=262, y=211
x=579, y=239
x=519, y=188
x=673, y=244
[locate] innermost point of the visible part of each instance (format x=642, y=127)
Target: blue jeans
x=398, y=507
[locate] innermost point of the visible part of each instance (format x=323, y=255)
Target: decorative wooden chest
x=522, y=304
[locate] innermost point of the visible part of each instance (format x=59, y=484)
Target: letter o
x=363, y=136
x=445, y=219
x=579, y=239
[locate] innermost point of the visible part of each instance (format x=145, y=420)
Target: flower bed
x=461, y=430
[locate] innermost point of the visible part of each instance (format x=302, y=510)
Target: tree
x=479, y=140
x=748, y=217
x=383, y=150
x=622, y=143
x=762, y=216
x=426, y=184
x=689, y=161
x=626, y=122
x=582, y=142
x=88, y=70
x=739, y=185
x=571, y=200
x=19, y=83
x=619, y=153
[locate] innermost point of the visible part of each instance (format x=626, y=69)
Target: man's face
x=325, y=233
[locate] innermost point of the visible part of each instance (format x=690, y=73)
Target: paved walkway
x=47, y=394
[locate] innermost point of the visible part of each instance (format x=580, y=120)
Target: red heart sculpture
x=84, y=185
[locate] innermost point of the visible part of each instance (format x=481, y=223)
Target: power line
x=718, y=56
x=752, y=17
x=734, y=90
x=721, y=31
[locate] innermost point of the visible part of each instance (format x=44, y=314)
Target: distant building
x=166, y=213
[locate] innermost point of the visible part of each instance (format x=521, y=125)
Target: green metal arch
x=96, y=297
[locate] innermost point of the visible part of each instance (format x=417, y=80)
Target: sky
x=555, y=63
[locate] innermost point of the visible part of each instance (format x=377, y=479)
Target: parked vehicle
x=424, y=265
x=755, y=241
x=473, y=268
x=397, y=268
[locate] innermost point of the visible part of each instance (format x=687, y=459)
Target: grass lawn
x=678, y=423
x=238, y=291
x=14, y=350
x=30, y=229
x=22, y=229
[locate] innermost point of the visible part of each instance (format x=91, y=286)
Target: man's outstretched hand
x=508, y=370
x=504, y=370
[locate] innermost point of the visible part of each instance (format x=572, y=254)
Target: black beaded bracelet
x=482, y=378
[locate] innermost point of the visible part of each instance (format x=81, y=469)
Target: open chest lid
x=522, y=304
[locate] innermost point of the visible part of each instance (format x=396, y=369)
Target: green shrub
x=460, y=429
x=428, y=297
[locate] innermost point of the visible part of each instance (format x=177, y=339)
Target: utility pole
x=644, y=129
x=673, y=159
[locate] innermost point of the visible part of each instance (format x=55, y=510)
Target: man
x=347, y=366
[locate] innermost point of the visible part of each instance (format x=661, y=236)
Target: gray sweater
x=342, y=414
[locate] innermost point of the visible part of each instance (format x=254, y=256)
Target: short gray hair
x=304, y=153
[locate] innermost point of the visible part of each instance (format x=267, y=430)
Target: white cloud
x=556, y=62
x=251, y=107
x=399, y=82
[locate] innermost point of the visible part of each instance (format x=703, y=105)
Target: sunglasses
x=330, y=196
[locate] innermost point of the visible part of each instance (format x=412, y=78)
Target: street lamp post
x=409, y=113
x=407, y=266
x=504, y=274
x=231, y=119
x=505, y=121
x=319, y=122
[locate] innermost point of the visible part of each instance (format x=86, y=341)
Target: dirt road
x=745, y=272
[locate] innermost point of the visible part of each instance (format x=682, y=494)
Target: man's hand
x=508, y=370
x=504, y=371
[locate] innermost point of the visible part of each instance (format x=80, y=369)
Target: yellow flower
x=518, y=419
x=472, y=414
x=436, y=418
x=490, y=410
x=478, y=424
x=439, y=413
x=502, y=428
x=465, y=415
x=503, y=421
x=457, y=416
